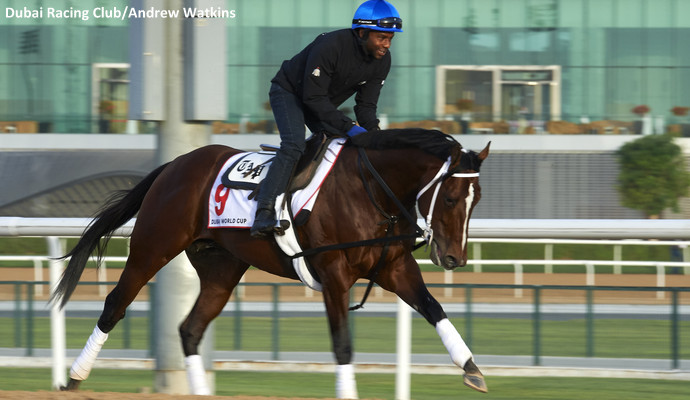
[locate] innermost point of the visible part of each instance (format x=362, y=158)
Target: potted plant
x=682, y=112
x=641, y=110
x=643, y=126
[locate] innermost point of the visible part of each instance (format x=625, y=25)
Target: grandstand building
x=556, y=85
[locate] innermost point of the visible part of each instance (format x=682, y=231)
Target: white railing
x=52, y=228
x=546, y=232
x=38, y=263
x=477, y=263
x=658, y=229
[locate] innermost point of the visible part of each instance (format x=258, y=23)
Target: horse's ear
x=484, y=153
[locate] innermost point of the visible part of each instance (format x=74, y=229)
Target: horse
x=409, y=171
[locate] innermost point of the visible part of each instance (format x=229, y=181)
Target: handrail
x=659, y=229
x=517, y=264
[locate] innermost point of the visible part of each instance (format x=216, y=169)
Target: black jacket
x=329, y=71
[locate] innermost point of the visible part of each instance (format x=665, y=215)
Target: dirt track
x=297, y=293
x=126, y=396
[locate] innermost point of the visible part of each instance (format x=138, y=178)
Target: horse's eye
x=450, y=202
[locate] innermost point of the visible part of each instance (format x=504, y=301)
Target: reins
x=391, y=220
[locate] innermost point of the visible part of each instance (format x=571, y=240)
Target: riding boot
x=264, y=221
x=275, y=182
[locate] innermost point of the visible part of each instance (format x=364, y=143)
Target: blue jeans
x=288, y=112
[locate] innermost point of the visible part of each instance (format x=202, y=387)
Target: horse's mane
x=433, y=142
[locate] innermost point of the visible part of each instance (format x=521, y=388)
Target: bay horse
x=411, y=170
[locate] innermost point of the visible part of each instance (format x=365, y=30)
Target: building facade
x=524, y=62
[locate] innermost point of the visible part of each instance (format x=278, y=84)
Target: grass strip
x=617, y=338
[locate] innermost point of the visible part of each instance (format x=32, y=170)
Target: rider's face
x=377, y=43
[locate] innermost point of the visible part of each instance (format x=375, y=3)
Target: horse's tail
x=118, y=209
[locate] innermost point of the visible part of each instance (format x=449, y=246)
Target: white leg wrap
x=345, y=385
x=196, y=375
x=81, y=368
x=458, y=350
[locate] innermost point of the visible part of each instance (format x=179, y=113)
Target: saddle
x=316, y=147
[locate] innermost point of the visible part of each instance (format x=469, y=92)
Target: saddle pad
x=247, y=170
x=230, y=208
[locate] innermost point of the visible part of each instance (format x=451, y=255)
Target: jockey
x=308, y=89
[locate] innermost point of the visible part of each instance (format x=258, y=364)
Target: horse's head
x=451, y=202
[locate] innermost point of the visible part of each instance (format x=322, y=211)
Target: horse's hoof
x=473, y=377
x=72, y=386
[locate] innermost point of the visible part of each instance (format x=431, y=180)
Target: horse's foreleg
x=336, y=302
x=412, y=290
x=459, y=353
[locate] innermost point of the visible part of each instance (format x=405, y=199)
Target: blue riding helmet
x=378, y=15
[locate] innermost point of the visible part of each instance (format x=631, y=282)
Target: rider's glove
x=355, y=130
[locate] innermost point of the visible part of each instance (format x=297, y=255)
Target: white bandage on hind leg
x=196, y=375
x=81, y=368
x=458, y=350
x=345, y=384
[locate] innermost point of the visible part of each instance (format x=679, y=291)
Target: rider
x=309, y=87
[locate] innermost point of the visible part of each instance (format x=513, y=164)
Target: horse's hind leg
x=219, y=273
x=142, y=264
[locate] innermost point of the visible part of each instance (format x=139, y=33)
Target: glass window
x=111, y=92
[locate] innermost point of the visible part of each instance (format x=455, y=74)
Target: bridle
x=437, y=180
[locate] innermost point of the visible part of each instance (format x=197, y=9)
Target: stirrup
x=268, y=224
x=278, y=229
x=283, y=225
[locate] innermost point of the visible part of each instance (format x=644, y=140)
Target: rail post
x=152, y=317
x=403, y=345
x=56, y=249
x=660, y=280
x=518, y=280
x=589, y=322
x=38, y=275
x=548, y=255
x=675, y=353
x=127, y=332
x=448, y=281
x=589, y=273
x=275, y=331
x=617, y=256
x=468, y=315
x=17, y=315
x=29, y=319
x=352, y=315
x=477, y=255
x=537, y=326
x=237, y=337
